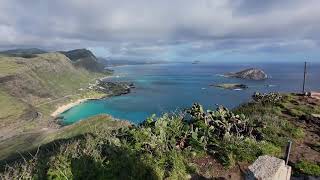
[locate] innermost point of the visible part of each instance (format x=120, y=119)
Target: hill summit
x=85, y=59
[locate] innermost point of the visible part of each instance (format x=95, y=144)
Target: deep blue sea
x=171, y=87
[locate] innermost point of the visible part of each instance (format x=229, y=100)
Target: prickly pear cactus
x=222, y=122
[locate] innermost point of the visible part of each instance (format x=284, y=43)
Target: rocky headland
x=112, y=88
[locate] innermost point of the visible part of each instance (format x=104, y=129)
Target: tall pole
x=304, y=77
x=288, y=150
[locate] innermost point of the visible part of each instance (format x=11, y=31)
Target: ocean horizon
x=172, y=87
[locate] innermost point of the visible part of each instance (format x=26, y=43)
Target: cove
x=172, y=87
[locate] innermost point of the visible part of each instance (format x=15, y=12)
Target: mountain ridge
x=85, y=59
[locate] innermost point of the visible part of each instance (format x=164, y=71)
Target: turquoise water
x=172, y=87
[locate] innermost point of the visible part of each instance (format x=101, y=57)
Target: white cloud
x=146, y=27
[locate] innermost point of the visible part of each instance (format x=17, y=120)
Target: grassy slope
x=91, y=125
x=14, y=146
x=11, y=108
x=41, y=79
x=152, y=150
x=39, y=84
x=7, y=66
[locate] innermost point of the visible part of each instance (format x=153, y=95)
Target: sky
x=171, y=30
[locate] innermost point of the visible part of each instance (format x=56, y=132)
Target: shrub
x=159, y=148
x=222, y=122
x=308, y=168
x=267, y=97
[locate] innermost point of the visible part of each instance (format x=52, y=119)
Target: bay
x=172, y=87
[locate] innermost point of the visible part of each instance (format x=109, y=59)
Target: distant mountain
x=79, y=57
x=85, y=59
x=121, y=62
x=26, y=53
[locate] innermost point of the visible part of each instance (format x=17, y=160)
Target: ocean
x=173, y=87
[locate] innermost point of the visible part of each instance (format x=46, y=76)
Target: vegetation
x=267, y=97
x=10, y=107
x=308, y=168
x=31, y=89
x=166, y=146
x=8, y=67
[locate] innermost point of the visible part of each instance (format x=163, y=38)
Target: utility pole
x=304, y=77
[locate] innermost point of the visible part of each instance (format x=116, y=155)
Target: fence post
x=288, y=150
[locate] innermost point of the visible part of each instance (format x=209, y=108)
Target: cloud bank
x=163, y=29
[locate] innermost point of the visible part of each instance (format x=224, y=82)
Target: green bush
x=308, y=168
x=163, y=147
x=244, y=150
x=267, y=97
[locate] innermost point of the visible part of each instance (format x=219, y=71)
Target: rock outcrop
x=113, y=88
x=269, y=168
x=251, y=73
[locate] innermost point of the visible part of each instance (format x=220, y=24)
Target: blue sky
x=172, y=30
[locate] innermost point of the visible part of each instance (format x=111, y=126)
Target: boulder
x=269, y=168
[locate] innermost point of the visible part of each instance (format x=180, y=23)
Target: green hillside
x=32, y=88
x=197, y=144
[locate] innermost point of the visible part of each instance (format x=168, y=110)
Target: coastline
x=104, y=89
x=68, y=106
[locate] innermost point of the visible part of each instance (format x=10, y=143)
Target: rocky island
x=231, y=86
x=251, y=74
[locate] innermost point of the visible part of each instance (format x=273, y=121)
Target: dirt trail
x=305, y=149
x=58, y=99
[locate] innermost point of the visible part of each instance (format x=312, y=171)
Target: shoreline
x=68, y=106
x=124, y=89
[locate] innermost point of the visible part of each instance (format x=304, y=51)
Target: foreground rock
x=269, y=168
x=251, y=73
x=230, y=86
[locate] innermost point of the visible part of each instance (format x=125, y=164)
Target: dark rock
x=310, y=119
x=230, y=86
x=252, y=74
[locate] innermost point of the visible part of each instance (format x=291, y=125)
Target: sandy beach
x=65, y=107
